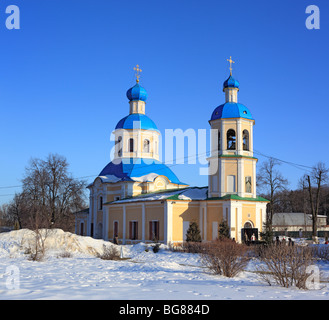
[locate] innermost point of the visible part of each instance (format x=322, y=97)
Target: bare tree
x=16, y=210
x=315, y=181
x=50, y=195
x=272, y=181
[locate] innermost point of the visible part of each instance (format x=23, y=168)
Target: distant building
x=297, y=223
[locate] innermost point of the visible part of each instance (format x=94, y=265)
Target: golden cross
x=138, y=71
x=230, y=61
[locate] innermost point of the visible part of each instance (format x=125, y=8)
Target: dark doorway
x=246, y=234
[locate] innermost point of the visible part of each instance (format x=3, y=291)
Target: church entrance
x=247, y=233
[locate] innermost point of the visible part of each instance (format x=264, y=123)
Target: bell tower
x=232, y=165
x=136, y=135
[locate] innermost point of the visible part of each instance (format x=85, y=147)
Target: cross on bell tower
x=138, y=71
x=230, y=61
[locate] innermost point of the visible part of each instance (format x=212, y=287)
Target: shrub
x=225, y=257
x=192, y=247
x=193, y=233
x=156, y=247
x=64, y=254
x=285, y=265
x=321, y=252
x=223, y=230
x=109, y=253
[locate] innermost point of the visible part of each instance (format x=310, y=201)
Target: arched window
x=118, y=146
x=131, y=145
x=231, y=138
x=219, y=141
x=100, y=206
x=248, y=225
x=146, y=147
x=245, y=137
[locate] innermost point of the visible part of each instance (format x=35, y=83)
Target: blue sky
x=65, y=73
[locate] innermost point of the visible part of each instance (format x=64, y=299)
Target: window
x=247, y=225
x=154, y=230
x=116, y=198
x=131, y=145
x=245, y=137
x=146, y=147
x=118, y=146
x=231, y=138
x=219, y=145
x=82, y=228
x=133, y=230
x=100, y=203
x=248, y=184
x=231, y=184
x=115, y=228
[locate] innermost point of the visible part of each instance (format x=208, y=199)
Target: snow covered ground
x=146, y=275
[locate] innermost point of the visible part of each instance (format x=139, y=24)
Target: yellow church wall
x=154, y=212
x=137, y=189
x=183, y=211
x=214, y=214
x=246, y=125
x=111, y=197
x=248, y=213
x=134, y=213
x=229, y=124
x=114, y=188
x=81, y=218
x=116, y=214
x=231, y=169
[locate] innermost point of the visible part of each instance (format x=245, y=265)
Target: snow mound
x=17, y=242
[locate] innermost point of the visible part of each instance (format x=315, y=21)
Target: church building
x=137, y=198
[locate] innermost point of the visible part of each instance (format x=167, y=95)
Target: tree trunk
x=313, y=211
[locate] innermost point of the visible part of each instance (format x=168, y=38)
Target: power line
x=296, y=165
x=10, y=187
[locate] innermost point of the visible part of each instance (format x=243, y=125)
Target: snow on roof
x=194, y=194
x=110, y=179
x=145, y=178
x=191, y=193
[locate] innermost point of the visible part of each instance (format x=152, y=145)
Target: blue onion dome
x=231, y=110
x=137, y=92
x=231, y=83
x=136, y=121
